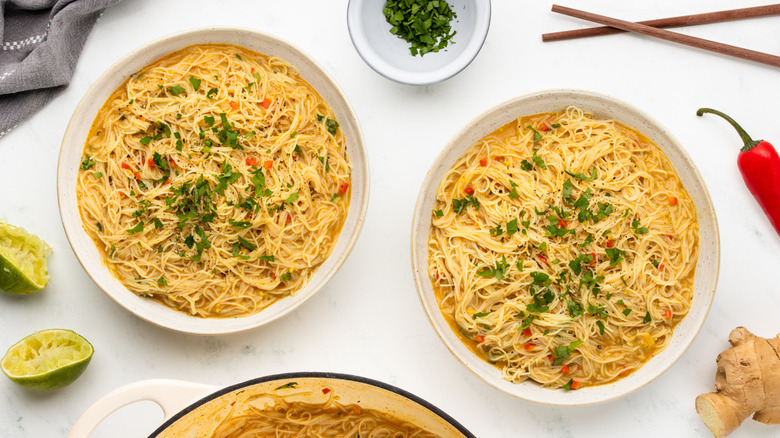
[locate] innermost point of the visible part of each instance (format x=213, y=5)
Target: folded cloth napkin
x=41, y=42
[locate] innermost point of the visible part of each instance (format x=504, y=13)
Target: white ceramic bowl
x=706, y=269
x=73, y=146
x=389, y=55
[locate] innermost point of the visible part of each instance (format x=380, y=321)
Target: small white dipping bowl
x=603, y=107
x=73, y=147
x=389, y=55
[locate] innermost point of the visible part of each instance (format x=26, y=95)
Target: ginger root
x=747, y=381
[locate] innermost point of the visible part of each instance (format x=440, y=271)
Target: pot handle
x=171, y=395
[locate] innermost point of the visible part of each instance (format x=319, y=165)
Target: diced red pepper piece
x=343, y=187
x=250, y=161
x=469, y=190
x=266, y=103
x=268, y=164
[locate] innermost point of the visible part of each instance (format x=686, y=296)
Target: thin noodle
x=233, y=167
x=280, y=418
x=568, y=279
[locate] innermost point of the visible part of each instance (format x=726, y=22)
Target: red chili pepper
x=543, y=259
x=343, y=187
x=575, y=384
x=469, y=190
x=250, y=161
x=610, y=243
x=528, y=346
x=126, y=166
x=673, y=200
x=565, y=370
x=150, y=163
x=266, y=103
x=562, y=224
x=759, y=164
x=324, y=390
x=233, y=104
x=668, y=313
x=268, y=164
x=527, y=332
x=479, y=339
x=483, y=162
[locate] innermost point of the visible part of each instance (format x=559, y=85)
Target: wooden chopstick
x=684, y=20
x=701, y=43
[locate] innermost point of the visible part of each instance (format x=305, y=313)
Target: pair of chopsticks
x=653, y=28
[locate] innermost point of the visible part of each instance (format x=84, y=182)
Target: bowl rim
x=213, y=326
x=374, y=60
x=434, y=314
x=317, y=375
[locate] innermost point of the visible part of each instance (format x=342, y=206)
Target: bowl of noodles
x=303, y=404
x=565, y=248
x=213, y=181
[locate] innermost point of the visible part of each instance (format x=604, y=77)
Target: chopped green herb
x=438, y=213
x=87, y=163
x=137, y=229
x=291, y=385
x=601, y=327
x=424, y=24
x=195, y=83
x=497, y=272
x=239, y=224
x=99, y=226
x=537, y=135
x=647, y=318
x=176, y=90
x=211, y=92
x=266, y=258
x=459, y=204
x=162, y=282
x=246, y=244
x=615, y=256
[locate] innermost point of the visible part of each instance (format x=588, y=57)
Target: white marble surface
x=368, y=320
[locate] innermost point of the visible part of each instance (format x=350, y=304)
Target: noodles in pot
x=562, y=249
x=215, y=180
x=278, y=417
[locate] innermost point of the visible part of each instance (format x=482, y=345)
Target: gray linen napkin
x=41, y=42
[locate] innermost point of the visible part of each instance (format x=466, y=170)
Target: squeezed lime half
x=47, y=360
x=22, y=260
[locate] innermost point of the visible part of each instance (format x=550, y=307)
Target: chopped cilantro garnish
x=87, y=163
x=498, y=271
x=511, y=227
x=211, y=92
x=615, y=256
x=647, y=318
x=195, y=83
x=239, y=224
x=136, y=229
x=266, y=258
x=246, y=244
x=601, y=327
x=537, y=135
x=162, y=282
x=459, y=204
x=176, y=90
x=438, y=213
x=424, y=24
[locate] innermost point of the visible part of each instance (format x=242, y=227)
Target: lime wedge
x=47, y=360
x=22, y=260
